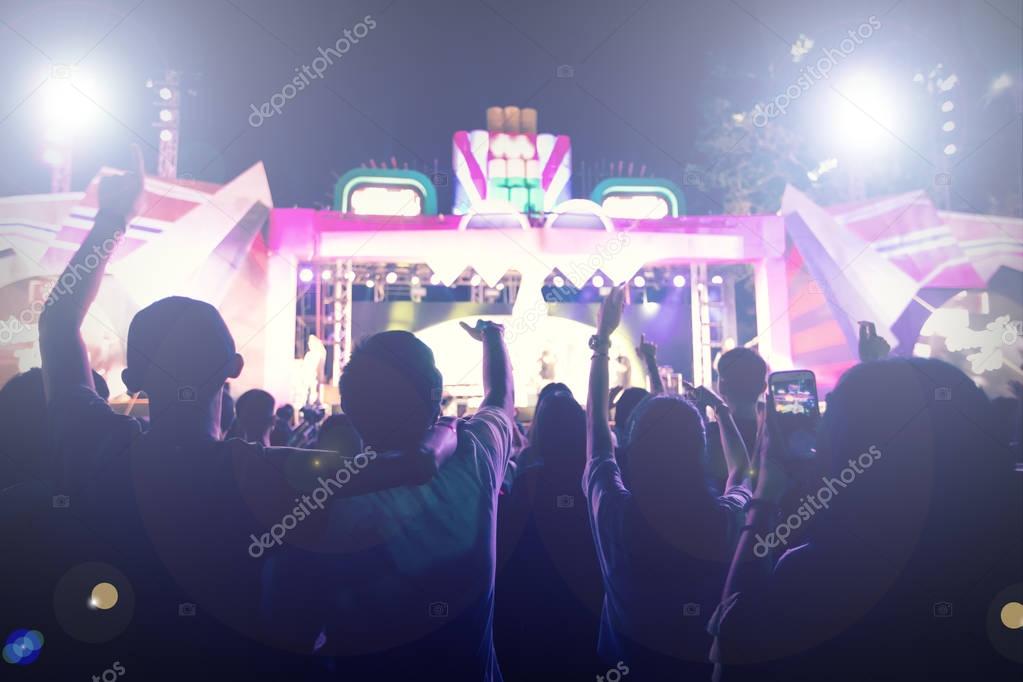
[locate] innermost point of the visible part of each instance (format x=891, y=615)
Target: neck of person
x=742, y=409
x=180, y=421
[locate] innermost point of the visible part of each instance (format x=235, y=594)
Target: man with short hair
x=409, y=587
x=742, y=380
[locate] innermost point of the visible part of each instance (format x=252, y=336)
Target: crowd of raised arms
x=644, y=536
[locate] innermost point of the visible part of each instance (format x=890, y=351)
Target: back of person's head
x=627, y=402
x=24, y=446
x=179, y=348
x=742, y=375
x=255, y=411
x=667, y=449
x=391, y=390
x=337, y=434
x=553, y=387
x=558, y=434
x=286, y=413
x=915, y=466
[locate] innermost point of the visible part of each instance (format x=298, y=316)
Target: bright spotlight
x=391, y=277
x=679, y=281
x=327, y=275
x=414, y=280
x=435, y=279
x=597, y=281
x=69, y=97
x=166, y=94
x=866, y=112
x=370, y=284
x=500, y=286
x=717, y=279
x=947, y=106
x=558, y=281
x=639, y=281
x=350, y=275
x=166, y=115
x=166, y=135
x=475, y=280
x=948, y=83
x=948, y=126
x=950, y=149
x=305, y=275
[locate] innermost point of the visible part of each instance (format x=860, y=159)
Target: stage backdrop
x=554, y=348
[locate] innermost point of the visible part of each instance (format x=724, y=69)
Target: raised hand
x=610, y=315
x=646, y=349
x=482, y=327
x=872, y=346
x=119, y=194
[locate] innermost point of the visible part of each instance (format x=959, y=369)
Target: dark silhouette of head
x=391, y=390
x=558, y=435
x=337, y=434
x=553, y=387
x=667, y=447
x=627, y=402
x=742, y=376
x=933, y=473
x=180, y=349
x=255, y=415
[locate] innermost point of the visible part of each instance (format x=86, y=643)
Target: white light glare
x=639, y=281
x=435, y=279
x=679, y=281
x=475, y=280
x=948, y=126
x=866, y=112
x=558, y=281
x=717, y=279
x=597, y=281
x=391, y=277
x=327, y=275
x=950, y=149
x=305, y=275
x=947, y=106
x=165, y=94
x=414, y=280
x=1001, y=83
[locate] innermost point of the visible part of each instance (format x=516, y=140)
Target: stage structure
x=519, y=238
x=298, y=286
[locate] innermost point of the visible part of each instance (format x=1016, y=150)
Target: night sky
x=643, y=74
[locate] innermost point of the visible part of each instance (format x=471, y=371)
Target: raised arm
x=598, y=428
x=64, y=358
x=647, y=352
x=732, y=444
x=498, y=387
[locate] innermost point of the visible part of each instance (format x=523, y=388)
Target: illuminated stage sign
x=639, y=198
x=385, y=192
